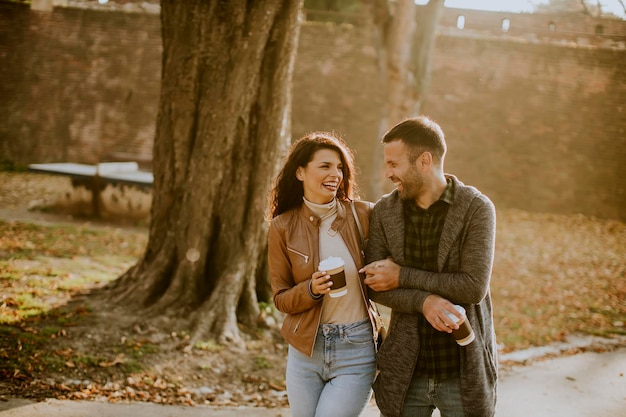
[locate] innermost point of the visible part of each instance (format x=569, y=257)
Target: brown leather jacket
x=293, y=258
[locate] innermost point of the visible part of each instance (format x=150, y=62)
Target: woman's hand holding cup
x=320, y=283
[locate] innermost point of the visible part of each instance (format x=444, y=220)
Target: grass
x=41, y=267
x=209, y=345
x=22, y=240
x=25, y=347
x=262, y=362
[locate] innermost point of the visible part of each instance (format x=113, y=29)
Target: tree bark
x=224, y=118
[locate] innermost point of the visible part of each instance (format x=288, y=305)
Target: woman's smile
x=322, y=176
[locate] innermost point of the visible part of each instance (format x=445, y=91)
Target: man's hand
x=435, y=308
x=383, y=275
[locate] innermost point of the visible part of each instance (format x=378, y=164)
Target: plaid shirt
x=439, y=353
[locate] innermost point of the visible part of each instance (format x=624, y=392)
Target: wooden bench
x=96, y=177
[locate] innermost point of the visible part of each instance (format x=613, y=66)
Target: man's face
x=406, y=177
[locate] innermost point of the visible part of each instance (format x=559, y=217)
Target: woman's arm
x=289, y=297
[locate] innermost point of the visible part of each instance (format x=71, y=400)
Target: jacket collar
x=310, y=217
x=455, y=221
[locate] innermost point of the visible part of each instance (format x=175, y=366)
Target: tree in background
x=404, y=36
x=336, y=11
x=560, y=6
x=223, y=121
x=346, y=6
x=588, y=7
x=404, y=41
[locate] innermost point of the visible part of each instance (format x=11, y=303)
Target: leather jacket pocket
x=299, y=255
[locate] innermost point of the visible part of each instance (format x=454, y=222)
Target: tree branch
x=587, y=12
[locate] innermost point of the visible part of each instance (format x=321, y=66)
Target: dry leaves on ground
x=553, y=275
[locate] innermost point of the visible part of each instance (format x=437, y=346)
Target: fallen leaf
x=118, y=359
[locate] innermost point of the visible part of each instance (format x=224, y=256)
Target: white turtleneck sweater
x=349, y=308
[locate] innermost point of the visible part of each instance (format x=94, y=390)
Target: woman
x=331, y=359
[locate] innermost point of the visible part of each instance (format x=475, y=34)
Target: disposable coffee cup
x=334, y=267
x=464, y=335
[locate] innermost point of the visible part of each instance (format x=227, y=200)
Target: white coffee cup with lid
x=464, y=335
x=334, y=266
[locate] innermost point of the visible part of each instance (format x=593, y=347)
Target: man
x=431, y=246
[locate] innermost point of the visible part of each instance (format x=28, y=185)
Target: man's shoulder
x=468, y=195
x=391, y=199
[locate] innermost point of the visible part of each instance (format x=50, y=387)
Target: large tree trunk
x=404, y=44
x=224, y=118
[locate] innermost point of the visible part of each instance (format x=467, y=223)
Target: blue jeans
x=337, y=379
x=425, y=394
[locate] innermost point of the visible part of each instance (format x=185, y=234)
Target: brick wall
x=536, y=125
x=556, y=28
x=79, y=84
x=336, y=88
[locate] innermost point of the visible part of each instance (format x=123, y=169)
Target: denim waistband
x=341, y=329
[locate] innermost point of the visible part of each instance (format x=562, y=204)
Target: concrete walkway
x=583, y=385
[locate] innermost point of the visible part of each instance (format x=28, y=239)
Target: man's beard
x=412, y=184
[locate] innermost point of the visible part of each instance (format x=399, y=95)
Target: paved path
x=584, y=385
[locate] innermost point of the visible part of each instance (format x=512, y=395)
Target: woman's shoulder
x=359, y=205
x=285, y=218
x=363, y=206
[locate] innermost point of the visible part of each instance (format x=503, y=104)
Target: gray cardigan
x=466, y=251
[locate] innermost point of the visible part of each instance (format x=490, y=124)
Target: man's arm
x=378, y=250
x=377, y=247
x=469, y=284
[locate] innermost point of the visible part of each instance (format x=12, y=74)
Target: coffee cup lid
x=454, y=318
x=331, y=262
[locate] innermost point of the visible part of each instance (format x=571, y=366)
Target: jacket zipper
x=306, y=257
x=306, y=260
x=295, y=330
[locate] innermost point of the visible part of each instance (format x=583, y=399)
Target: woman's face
x=322, y=176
